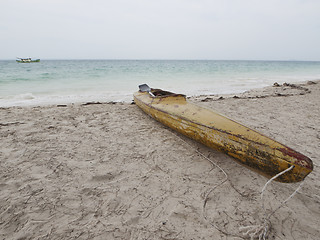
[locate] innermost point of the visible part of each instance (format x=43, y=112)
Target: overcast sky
x=160, y=29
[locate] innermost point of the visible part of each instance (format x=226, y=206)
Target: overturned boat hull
x=256, y=151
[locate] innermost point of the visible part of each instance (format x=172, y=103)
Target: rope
x=274, y=177
x=262, y=230
x=206, y=197
x=259, y=231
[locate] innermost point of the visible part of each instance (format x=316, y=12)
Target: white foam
x=29, y=99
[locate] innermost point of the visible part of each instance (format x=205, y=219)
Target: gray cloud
x=167, y=29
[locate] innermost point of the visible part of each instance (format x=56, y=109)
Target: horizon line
x=165, y=59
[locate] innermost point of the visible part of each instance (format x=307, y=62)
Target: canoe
x=249, y=147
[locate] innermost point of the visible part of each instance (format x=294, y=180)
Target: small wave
x=18, y=79
x=25, y=96
x=17, y=100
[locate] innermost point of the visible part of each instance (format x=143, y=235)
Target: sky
x=161, y=29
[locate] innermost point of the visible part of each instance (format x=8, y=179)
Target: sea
x=76, y=81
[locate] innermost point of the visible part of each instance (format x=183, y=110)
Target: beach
x=105, y=170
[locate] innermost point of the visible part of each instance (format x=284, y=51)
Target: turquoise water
x=66, y=81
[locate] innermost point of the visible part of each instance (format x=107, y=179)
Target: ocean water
x=72, y=81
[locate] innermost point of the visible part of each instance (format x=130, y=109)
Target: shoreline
x=75, y=100
x=109, y=171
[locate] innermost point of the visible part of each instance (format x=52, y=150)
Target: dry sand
x=109, y=171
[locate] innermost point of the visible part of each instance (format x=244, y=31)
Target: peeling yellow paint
x=254, y=150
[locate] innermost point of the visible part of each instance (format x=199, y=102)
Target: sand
x=109, y=171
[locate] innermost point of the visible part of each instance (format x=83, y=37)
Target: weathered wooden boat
x=27, y=60
x=256, y=151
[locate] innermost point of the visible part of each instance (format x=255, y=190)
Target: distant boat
x=27, y=60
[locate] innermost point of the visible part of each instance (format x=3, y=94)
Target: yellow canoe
x=256, y=151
